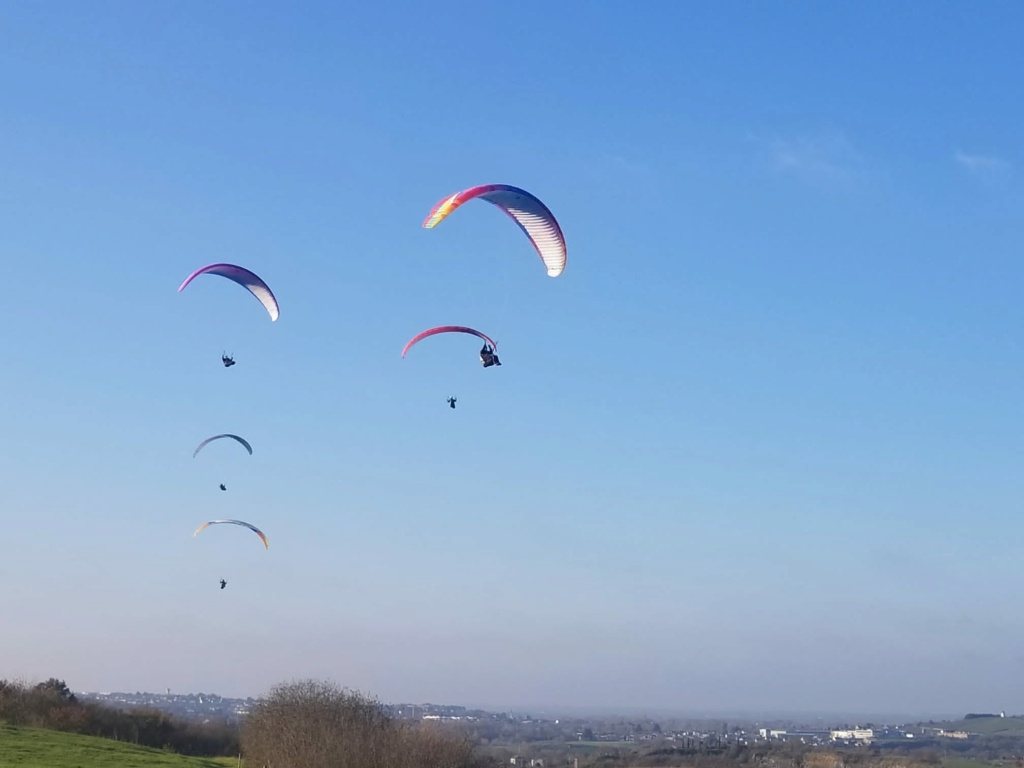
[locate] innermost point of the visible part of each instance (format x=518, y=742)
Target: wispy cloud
x=820, y=156
x=980, y=163
x=828, y=158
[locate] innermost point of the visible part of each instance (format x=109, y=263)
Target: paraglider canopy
x=526, y=210
x=245, y=278
x=445, y=329
x=209, y=440
x=250, y=526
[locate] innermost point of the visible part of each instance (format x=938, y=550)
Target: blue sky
x=762, y=432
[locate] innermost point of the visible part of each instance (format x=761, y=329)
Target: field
x=592, y=744
x=39, y=748
x=987, y=726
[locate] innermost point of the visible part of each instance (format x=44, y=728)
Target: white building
x=856, y=734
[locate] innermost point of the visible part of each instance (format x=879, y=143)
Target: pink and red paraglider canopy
x=446, y=329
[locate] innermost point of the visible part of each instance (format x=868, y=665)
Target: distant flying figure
x=227, y=359
x=223, y=583
x=452, y=401
x=487, y=356
x=223, y=487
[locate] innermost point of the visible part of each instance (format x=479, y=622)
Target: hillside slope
x=40, y=748
x=988, y=726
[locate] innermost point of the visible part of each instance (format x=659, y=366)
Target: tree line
x=303, y=724
x=52, y=705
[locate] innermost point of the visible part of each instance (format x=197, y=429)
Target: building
x=856, y=734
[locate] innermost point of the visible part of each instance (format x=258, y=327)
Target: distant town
x=509, y=727
x=192, y=706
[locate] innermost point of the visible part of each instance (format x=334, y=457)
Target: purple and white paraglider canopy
x=245, y=278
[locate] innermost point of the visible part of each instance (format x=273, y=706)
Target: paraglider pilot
x=227, y=360
x=487, y=356
x=452, y=401
x=223, y=583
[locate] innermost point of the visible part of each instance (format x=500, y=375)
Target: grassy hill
x=987, y=726
x=39, y=748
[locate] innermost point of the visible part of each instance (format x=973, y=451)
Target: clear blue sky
x=758, y=447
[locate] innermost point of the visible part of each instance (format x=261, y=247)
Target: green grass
x=39, y=748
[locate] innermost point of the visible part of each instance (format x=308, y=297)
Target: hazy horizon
x=547, y=711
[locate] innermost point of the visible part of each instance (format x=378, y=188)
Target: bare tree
x=435, y=747
x=312, y=724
